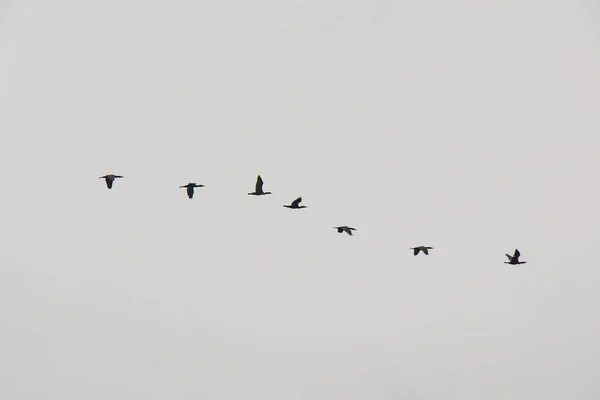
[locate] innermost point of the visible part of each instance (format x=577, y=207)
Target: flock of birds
x=295, y=205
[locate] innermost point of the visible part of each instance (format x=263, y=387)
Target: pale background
x=469, y=126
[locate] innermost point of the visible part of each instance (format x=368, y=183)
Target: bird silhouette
x=514, y=259
x=190, y=188
x=258, y=190
x=424, y=249
x=109, y=179
x=296, y=204
x=344, y=228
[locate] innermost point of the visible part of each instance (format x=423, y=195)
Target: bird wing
x=426, y=251
x=416, y=250
x=296, y=202
x=109, y=181
x=348, y=231
x=509, y=256
x=259, y=185
x=516, y=255
x=118, y=176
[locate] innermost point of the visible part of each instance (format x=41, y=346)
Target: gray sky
x=469, y=126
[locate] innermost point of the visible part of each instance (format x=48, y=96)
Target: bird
x=344, y=228
x=424, y=249
x=190, y=188
x=514, y=259
x=258, y=190
x=110, y=178
x=295, y=204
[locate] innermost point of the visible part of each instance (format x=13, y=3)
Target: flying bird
x=190, y=188
x=109, y=179
x=514, y=259
x=296, y=204
x=344, y=228
x=258, y=190
x=424, y=249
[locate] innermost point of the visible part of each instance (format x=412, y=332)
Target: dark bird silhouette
x=514, y=259
x=296, y=204
x=424, y=249
x=109, y=179
x=258, y=190
x=190, y=188
x=344, y=228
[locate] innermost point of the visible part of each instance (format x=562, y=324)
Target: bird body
x=258, y=189
x=296, y=204
x=344, y=228
x=514, y=259
x=190, y=188
x=109, y=179
x=424, y=249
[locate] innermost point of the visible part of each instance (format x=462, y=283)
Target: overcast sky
x=469, y=126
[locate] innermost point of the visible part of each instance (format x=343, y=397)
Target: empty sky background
x=469, y=126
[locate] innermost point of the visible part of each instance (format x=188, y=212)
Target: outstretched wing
x=296, y=202
x=259, y=184
x=516, y=255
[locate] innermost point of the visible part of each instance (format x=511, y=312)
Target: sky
x=468, y=126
